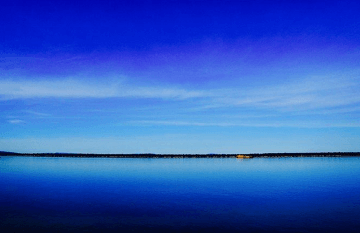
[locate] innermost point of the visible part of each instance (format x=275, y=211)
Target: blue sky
x=179, y=76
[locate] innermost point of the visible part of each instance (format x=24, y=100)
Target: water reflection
x=104, y=194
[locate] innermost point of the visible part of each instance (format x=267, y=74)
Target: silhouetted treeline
x=4, y=153
x=149, y=155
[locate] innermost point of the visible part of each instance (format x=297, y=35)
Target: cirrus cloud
x=16, y=121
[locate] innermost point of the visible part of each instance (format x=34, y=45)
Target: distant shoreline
x=252, y=155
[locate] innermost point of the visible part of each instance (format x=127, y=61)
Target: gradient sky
x=179, y=76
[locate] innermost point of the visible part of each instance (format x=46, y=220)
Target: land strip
x=149, y=155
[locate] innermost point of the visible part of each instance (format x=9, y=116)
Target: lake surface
x=177, y=195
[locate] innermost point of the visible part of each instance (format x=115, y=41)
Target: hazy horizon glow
x=180, y=77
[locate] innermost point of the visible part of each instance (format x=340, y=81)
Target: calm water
x=176, y=195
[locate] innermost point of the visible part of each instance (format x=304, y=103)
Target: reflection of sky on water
x=184, y=194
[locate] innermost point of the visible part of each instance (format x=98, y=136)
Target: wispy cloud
x=179, y=123
x=271, y=124
x=16, y=121
x=296, y=95
x=70, y=88
x=299, y=95
x=38, y=114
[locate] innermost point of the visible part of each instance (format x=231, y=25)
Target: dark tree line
x=149, y=155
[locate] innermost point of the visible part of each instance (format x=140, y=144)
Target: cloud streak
x=69, y=88
x=296, y=95
x=270, y=124
x=16, y=121
x=306, y=94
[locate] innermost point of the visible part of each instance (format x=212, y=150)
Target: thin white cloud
x=38, y=114
x=296, y=95
x=272, y=124
x=310, y=93
x=10, y=89
x=22, y=89
x=16, y=121
x=179, y=123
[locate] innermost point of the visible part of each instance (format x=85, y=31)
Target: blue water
x=179, y=195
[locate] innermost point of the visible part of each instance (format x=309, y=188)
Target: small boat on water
x=243, y=156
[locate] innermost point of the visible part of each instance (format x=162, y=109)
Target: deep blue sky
x=179, y=76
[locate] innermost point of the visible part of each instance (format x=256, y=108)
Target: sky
x=179, y=76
